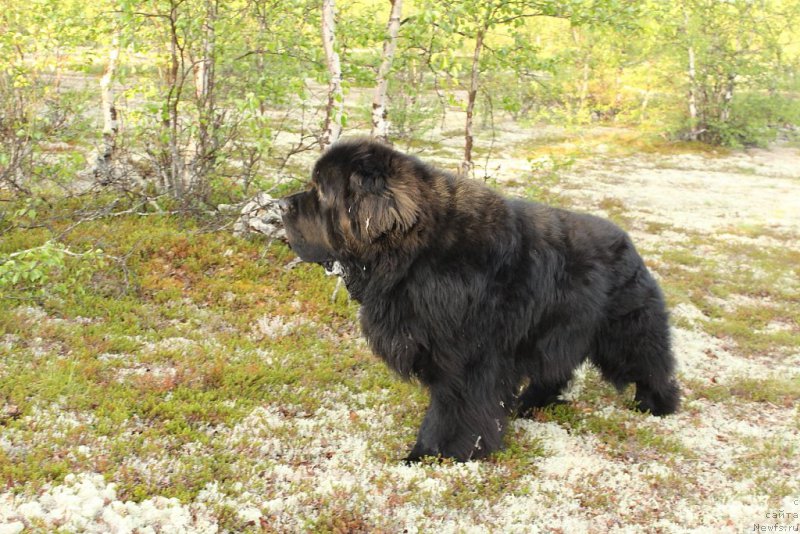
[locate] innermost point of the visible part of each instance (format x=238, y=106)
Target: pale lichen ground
x=719, y=465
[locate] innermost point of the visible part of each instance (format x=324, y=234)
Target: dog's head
x=364, y=197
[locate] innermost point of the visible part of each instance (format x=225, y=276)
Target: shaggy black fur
x=475, y=295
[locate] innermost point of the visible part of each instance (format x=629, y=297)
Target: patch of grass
x=518, y=453
x=624, y=143
x=687, y=257
x=748, y=327
x=535, y=145
x=112, y=354
x=704, y=390
x=768, y=465
x=18, y=239
x=145, y=376
x=625, y=437
x=652, y=227
x=616, y=210
x=783, y=391
x=595, y=500
x=567, y=415
x=621, y=432
x=755, y=231
x=615, y=143
x=749, y=293
x=739, y=169
x=413, y=144
x=340, y=517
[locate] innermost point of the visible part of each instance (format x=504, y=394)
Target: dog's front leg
x=462, y=423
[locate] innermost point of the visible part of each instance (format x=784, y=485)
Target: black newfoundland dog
x=489, y=302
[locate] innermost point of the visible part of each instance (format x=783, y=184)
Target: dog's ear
x=385, y=193
x=378, y=214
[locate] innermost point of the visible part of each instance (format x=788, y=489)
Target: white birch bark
x=103, y=164
x=692, y=86
x=692, y=74
x=204, y=69
x=727, y=98
x=110, y=125
x=380, y=123
x=583, y=92
x=332, y=128
x=200, y=79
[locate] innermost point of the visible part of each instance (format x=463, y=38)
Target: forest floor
x=225, y=392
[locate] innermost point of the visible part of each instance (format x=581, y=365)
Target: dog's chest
x=394, y=334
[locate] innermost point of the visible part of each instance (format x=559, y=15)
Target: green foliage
x=731, y=56
x=47, y=270
x=186, y=289
x=567, y=63
x=755, y=120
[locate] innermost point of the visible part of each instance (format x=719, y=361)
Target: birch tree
x=473, y=20
x=380, y=123
x=202, y=158
x=332, y=127
x=185, y=142
x=691, y=71
x=472, y=93
x=108, y=108
x=729, y=49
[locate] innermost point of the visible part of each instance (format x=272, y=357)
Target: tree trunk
x=584, y=93
x=175, y=79
x=692, y=94
x=204, y=144
x=203, y=70
x=332, y=128
x=586, y=67
x=617, y=94
x=263, y=30
x=380, y=124
x=643, y=109
x=467, y=164
x=105, y=157
x=727, y=97
x=692, y=86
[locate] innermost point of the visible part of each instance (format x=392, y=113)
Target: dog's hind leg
x=635, y=348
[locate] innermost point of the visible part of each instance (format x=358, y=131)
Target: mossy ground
x=201, y=366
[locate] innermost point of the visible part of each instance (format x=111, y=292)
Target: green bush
x=756, y=119
x=46, y=270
